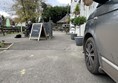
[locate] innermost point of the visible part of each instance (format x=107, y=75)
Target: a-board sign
x=37, y=30
x=48, y=27
x=45, y=25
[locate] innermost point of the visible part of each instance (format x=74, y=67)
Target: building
x=84, y=11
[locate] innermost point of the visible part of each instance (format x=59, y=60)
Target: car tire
x=91, y=56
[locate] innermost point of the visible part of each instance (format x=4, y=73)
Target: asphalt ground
x=56, y=60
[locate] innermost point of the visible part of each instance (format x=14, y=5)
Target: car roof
x=115, y=0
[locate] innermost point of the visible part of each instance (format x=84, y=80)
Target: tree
x=27, y=9
x=44, y=5
x=55, y=13
x=78, y=21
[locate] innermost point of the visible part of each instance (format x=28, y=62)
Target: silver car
x=100, y=42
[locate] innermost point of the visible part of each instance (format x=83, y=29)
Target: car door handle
x=95, y=18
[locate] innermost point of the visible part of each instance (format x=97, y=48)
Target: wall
x=84, y=11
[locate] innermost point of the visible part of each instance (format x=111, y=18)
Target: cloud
x=4, y=14
x=6, y=6
x=64, y=1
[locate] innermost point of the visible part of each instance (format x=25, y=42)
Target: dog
x=18, y=36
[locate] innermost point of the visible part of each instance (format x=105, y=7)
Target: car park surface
x=56, y=60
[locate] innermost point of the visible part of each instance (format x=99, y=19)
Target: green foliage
x=77, y=9
x=72, y=20
x=79, y=20
x=2, y=43
x=44, y=5
x=55, y=13
x=27, y=9
x=82, y=20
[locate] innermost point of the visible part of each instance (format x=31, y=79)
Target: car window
x=101, y=1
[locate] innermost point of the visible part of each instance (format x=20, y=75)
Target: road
x=56, y=60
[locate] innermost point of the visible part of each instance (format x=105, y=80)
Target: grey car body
x=102, y=30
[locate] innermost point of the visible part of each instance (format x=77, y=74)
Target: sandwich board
x=37, y=31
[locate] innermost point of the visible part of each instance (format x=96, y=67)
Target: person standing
x=28, y=29
x=1, y=27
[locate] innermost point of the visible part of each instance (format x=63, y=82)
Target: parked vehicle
x=100, y=42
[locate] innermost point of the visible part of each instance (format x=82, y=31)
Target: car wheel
x=91, y=56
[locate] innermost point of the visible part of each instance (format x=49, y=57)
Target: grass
x=2, y=44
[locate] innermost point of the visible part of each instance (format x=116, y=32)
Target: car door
x=107, y=37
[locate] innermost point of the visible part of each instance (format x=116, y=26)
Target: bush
x=77, y=9
x=79, y=20
x=2, y=43
x=72, y=20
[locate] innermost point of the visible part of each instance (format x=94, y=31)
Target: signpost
x=37, y=31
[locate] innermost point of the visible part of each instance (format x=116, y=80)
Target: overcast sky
x=59, y=2
x=5, y=5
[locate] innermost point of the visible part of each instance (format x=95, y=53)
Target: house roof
x=64, y=19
